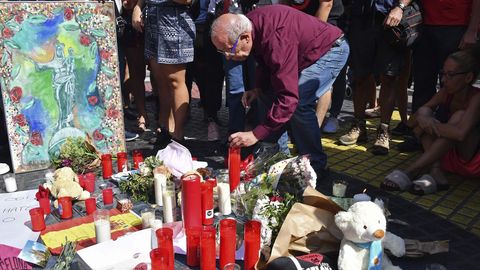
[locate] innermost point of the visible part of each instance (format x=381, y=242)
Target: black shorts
x=370, y=50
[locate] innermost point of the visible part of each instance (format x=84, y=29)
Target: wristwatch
x=401, y=5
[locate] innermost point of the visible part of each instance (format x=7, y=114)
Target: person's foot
x=331, y=125
x=130, y=136
x=373, y=112
x=356, y=134
x=163, y=139
x=212, y=131
x=410, y=144
x=401, y=130
x=382, y=143
x=142, y=125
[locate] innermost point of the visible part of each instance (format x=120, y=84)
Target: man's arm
x=324, y=9
x=471, y=35
x=395, y=16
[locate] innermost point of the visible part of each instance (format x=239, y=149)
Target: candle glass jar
x=165, y=240
x=37, y=219
x=45, y=205
x=193, y=246
x=232, y=266
x=228, y=232
x=10, y=182
x=233, y=167
x=159, y=258
x=252, y=244
x=101, y=220
x=137, y=159
x=169, y=202
x=339, y=188
x=107, y=170
x=90, y=205
x=65, y=207
x=147, y=215
x=122, y=162
x=107, y=196
x=207, y=248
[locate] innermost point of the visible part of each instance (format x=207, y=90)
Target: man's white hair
x=235, y=27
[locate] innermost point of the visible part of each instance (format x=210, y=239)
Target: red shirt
x=447, y=12
x=286, y=41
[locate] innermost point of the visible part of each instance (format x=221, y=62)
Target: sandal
x=426, y=184
x=417, y=249
x=142, y=125
x=400, y=180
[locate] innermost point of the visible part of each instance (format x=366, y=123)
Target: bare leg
x=363, y=86
x=164, y=96
x=136, y=63
x=387, y=97
x=401, y=95
x=323, y=104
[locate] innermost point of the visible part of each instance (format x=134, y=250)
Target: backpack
x=409, y=28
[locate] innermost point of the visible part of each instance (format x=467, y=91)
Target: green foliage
x=140, y=186
x=277, y=210
x=66, y=257
x=75, y=153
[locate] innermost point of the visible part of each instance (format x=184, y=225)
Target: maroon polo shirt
x=286, y=41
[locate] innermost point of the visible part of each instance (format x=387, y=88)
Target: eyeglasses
x=449, y=75
x=232, y=50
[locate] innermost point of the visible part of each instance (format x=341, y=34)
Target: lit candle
x=10, y=182
x=361, y=197
x=224, y=202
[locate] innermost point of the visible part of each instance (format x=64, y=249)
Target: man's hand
x=249, y=96
x=427, y=124
x=393, y=18
x=137, y=20
x=469, y=39
x=242, y=139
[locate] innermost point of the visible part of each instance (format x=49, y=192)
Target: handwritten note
x=13, y=215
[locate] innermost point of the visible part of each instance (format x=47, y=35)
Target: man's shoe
x=357, y=133
x=212, y=131
x=382, y=143
x=401, y=130
x=410, y=144
x=130, y=136
x=331, y=125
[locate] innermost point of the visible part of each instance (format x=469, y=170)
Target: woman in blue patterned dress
x=169, y=35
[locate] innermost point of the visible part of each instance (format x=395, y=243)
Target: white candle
x=168, y=204
x=361, y=197
x=224, y=202
x=102, y=230
x=10, y=183
x=159, y=180
x=155, y=225
x=147, y=217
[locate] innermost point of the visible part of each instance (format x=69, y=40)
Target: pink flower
x=84, y=40
x=7, y=33
x=20, y=120
x=276, y=198
x=112, y=113
x=68, y=14
x=97, y=135
x=104, y=54
x=36, y=138
x=92, y=100
x=16, y=94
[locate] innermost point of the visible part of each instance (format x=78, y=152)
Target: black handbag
x=409, y=28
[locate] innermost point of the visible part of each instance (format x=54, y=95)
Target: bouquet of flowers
x=140, y=185
x=77, y=153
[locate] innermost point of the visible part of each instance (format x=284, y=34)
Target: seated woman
x=448, y=127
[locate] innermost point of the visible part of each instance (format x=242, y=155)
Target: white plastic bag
x=177, y=158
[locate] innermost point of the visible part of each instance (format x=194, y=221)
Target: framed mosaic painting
x=59, y=77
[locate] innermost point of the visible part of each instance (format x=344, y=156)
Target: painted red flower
x=16, y=94
x=104, y=54
x=36, y=138
x=68, y=14
x=112, y=113
x=97, y=135
x=84, y=40
x=20, y=120
x=19, y=18
x=7, y=32
x=92, y=100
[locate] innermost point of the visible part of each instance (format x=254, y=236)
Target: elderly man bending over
x=299, y=56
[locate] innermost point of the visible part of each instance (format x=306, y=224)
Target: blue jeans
x=313, y=82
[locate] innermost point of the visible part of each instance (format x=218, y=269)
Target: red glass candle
x=122, y=161
x=228, y=233
x=233, y=167
x=207, y=203
x=252, y=244
x=107, y=166
x=65, y=207
x=207, y=249
x=89, y=184
x=90, y=205
x=165, y=240
x=37, y=219
x=107, y=196
x=191, y=201
x=45, y=205
x=137, y=158
x=81, y=180
x=159, y=258
x=193, y=246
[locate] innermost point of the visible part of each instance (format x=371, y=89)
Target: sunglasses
x=232, y=50
x=449, y=75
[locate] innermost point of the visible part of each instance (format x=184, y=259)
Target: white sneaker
x=212, y=131
x=331, y=125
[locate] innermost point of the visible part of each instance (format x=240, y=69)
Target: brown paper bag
x=309, y=227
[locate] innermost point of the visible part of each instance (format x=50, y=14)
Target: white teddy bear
x=365, y=237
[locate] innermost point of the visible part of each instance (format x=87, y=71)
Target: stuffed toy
x=365, y=237
x=66, y=184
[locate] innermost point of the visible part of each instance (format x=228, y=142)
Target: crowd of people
x=288, y=64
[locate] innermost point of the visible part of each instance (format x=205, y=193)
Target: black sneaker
x=411, y=144
x=401, y=130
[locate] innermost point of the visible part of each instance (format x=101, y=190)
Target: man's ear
x=246, y=36
x=469, y=78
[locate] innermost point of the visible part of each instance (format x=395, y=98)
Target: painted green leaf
x=84, y=17
x=4, y=58
x=20, y=131
x=11, y=44
x=13, y=25
x=29, y=104
x=107, y=132
x=93, y=50
x=71, y=27
x=108, y=92
x=15, y=71
x=37, y=19
x=99, y=32
x=91, y=88
x=108, y=71
x=100, y=144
